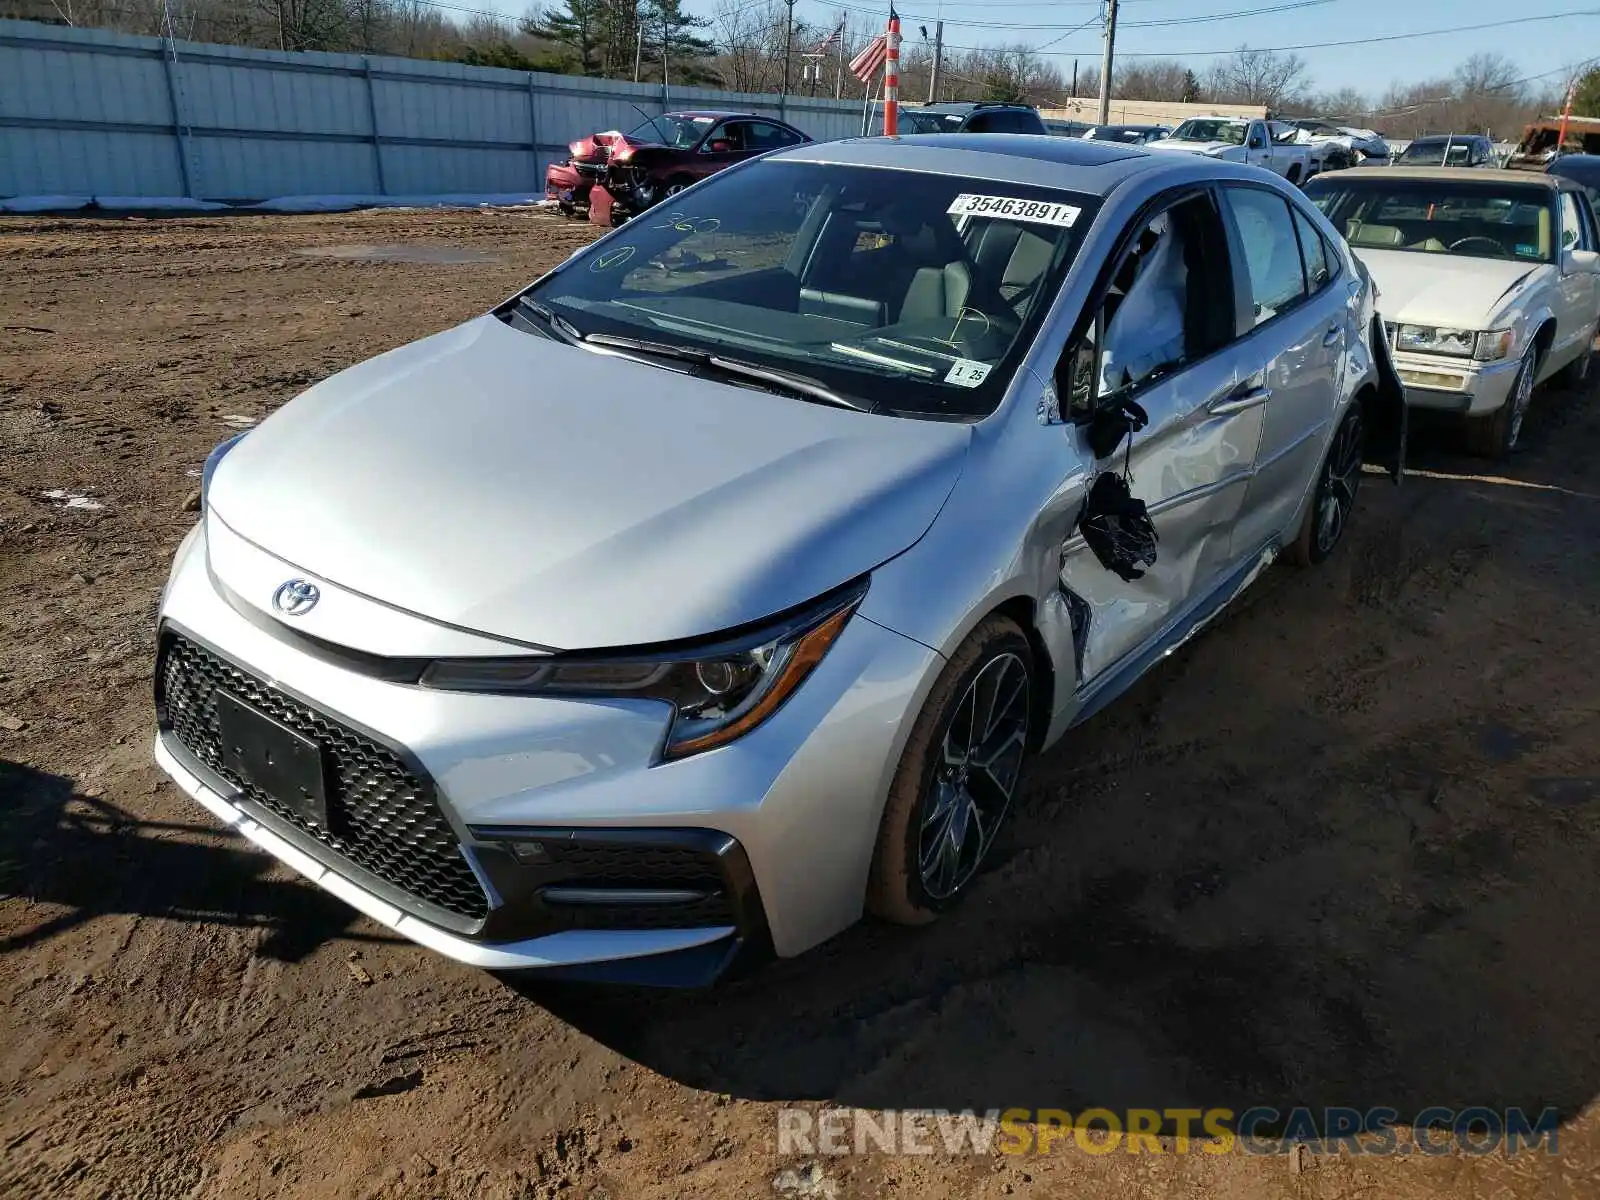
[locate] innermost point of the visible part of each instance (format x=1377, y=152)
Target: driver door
x=1257, y=145
x=1163, y=336
x=1579, y=303
x=726, y=144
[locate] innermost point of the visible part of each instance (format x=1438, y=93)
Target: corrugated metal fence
x=86, y=112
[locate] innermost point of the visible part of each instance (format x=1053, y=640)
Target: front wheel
x=1495, y=435
x=1334, y=500
x=957, y=776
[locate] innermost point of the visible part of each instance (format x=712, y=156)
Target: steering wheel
x=1495, y=247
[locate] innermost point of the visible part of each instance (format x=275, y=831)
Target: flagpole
x=891, y=77
x=838, y=73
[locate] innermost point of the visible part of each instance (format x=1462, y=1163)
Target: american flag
x=866, y=65
x=832, y=40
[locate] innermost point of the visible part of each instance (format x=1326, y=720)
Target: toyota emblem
x=296, y=598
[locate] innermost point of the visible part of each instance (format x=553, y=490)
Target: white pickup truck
x=1238, y=140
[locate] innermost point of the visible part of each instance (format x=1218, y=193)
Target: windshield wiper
x=793, y=382
x=563, y=328
x=796, y=384
x=641, y=346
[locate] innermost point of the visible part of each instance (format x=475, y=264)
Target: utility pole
x=788, y=45
x=1105, y=62
x=638, y=50
x=938, y=61
x=1074, y=79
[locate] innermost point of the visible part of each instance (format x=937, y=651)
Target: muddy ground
x=1341, y=850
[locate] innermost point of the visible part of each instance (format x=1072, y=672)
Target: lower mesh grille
x=602, y=865
x=383, y=816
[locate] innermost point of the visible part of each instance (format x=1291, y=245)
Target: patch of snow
x=33, y=204
x=194, y=472
x=280, y=204
x=68, y=499
x=238, y=421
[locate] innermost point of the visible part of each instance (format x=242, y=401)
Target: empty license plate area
x=280, y=761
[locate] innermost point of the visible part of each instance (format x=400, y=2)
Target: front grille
x=383, y=816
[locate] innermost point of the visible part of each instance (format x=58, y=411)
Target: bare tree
x=1267, y=77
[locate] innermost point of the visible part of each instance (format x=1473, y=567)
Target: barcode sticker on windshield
x=1045, y=212
x=967, y=372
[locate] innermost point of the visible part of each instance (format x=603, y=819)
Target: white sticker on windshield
x=967, y=372
x=1044, y=212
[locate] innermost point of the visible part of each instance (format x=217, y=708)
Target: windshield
x=911, y=293
x=1440, y=216
x=1433, y=154
x=1231, y=132
x=926, y=122
x=681, y=133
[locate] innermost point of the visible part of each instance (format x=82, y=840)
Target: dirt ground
x=1340, y=850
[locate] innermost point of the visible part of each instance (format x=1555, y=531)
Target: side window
x=1257, y=136
x=1271, y=250
x=1167, y=305
x=1314, y=253
x=1571, y=226
x=765, y=136
x=980, y=122
x=1591, y=236
x=730, y=137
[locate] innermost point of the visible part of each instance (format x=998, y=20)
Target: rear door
x=1297, y=332
x=1575, y=323
x=1163, y=336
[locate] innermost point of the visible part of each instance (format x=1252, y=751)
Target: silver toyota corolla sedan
x=716, y=588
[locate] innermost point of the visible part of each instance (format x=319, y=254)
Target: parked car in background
x=1234, y=139
x=1488, y=281
x=1058, y=128
x=1582, y=168
x=1538, y=147
x=968, y=117
x=763, y=546
x=1334, y=147
x=1450, y=150
x=1131, y=135
x=688, y=146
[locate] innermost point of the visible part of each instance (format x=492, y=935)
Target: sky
x=1537, y=47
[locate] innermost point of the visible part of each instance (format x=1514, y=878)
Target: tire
x=944, y=809
x=1333, y=500
x=1575, y=374
x=1495, y=435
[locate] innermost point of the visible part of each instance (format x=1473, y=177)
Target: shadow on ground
x=88, y=857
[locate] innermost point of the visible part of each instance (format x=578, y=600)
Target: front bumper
x=784, y=820
x=1455, y=384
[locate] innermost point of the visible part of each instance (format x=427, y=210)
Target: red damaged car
x=663, y=155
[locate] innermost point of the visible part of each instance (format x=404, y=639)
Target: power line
x=1195, y=20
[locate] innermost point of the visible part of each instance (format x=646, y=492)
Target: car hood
x=498, y=482
x=1442, y=289
x=1187, y=147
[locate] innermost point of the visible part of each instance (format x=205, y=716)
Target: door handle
x=1331, y=338
x=1236, y=402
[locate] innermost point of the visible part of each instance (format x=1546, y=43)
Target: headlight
x=1427, y=340
x=210, y=468
x=717, y=694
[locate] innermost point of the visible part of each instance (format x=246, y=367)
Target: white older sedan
x=1489, y=283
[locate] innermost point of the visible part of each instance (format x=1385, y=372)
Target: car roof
x=1073, y=164
x=719, y=112
x=1458, y=174
x=1431, y=138
x=963, y=106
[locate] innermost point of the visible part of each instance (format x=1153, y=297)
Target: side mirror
x=1575, y=261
